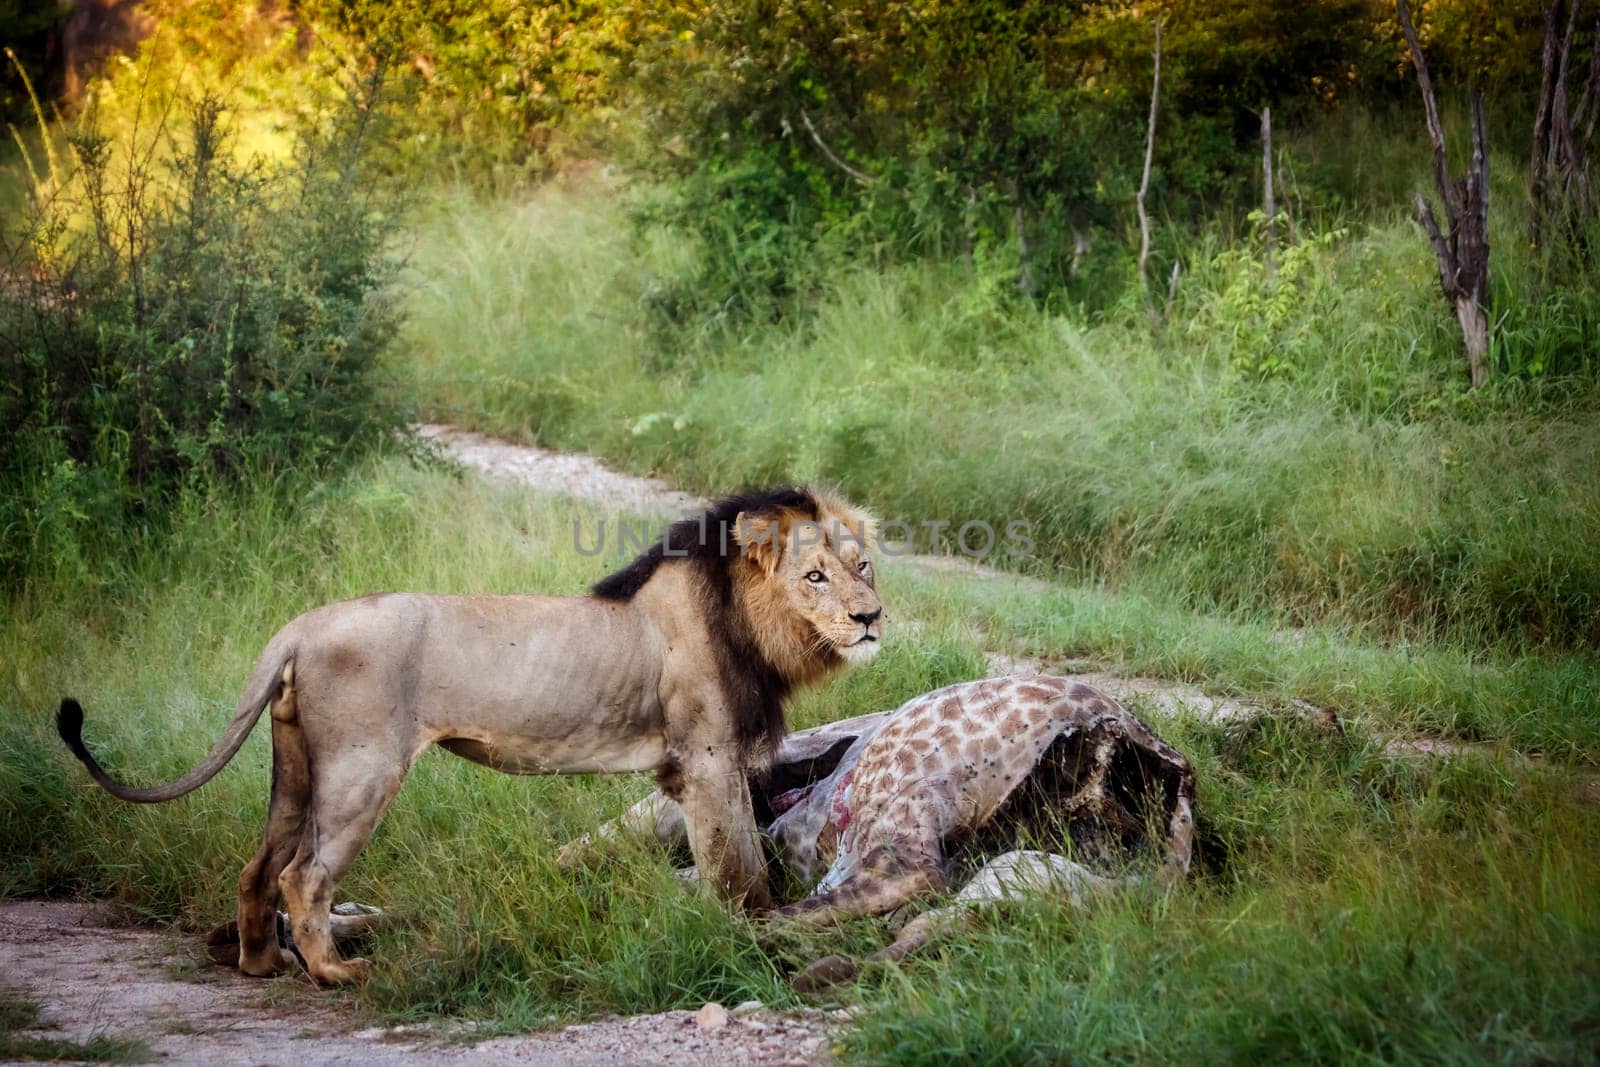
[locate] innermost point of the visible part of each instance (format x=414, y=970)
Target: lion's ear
x=760, y=538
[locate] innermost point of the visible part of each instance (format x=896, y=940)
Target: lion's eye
x=816, y=577
x=863, y=567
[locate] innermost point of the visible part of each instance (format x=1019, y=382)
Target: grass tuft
x=20, y=1040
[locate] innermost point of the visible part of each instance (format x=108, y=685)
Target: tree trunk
x=1462, y=251
x=1144, y=181
x=1080, y=245
x=969, y=229
x=1561, y=191
x=1537, y=167
x=1269, y=207
x=1025, y=283
x=1475, y=333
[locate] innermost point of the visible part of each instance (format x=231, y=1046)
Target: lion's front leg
x=722, y=830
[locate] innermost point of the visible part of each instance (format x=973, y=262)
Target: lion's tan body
x=636, y=680
x=525, y=684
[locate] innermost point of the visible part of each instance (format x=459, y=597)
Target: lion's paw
x=269, y=964
x=347, y=972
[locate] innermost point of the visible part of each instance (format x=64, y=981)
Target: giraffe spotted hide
x=1008, y=786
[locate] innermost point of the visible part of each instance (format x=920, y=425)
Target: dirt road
x=90, y=977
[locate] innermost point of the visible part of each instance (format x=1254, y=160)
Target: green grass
x=1309, y=457
x=1346, y=904
x=1443, y=956
x=17, y=1014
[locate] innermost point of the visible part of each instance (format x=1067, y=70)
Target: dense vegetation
x=892, y=246
x=173, y=315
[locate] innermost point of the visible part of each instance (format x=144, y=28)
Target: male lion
x=678, y=663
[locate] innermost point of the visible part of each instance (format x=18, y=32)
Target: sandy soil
x=91, y=977
x=557, y=472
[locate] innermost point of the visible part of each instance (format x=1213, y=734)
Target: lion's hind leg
x=349, y=794
x=260, y=954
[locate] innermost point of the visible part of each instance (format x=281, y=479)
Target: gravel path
x=557, y=472
x=586, y=478
x=90, y=977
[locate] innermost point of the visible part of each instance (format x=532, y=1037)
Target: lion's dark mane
x=753, y=687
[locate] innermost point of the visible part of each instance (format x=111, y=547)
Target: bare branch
x=1472, y=245
x=1589, y=102
x=1144, y=181
x=1268, y=207
x=1444, y=258
x=1430, y=105
x=860, y=176
x=1560, y=186
x=1538, y=166
x=1559, y=117
x=1462, y=253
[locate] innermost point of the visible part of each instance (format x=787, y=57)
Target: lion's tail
x=266, y=684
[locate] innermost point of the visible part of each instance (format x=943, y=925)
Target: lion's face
x=819, y=573
x=830, y=584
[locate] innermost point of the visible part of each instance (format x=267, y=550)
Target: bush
x=170, y=316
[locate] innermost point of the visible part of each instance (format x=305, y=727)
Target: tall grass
x=1308, y=454
x=1449, y=951
x=1346, y=903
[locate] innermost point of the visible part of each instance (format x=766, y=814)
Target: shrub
x=170, y=315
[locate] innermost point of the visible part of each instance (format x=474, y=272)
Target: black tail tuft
x=69, y=724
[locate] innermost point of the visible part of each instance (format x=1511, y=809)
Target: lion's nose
x=866, y=618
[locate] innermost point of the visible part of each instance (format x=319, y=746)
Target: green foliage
x=855, y=259
x=494, y=92
x=998, y=131
x=169, y=314
x=1291, y=55
x=798, y=136
x=1482, y=42
x=1547, y=322
x=1271, y=320
x=1372, y=953
x=499, y=91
